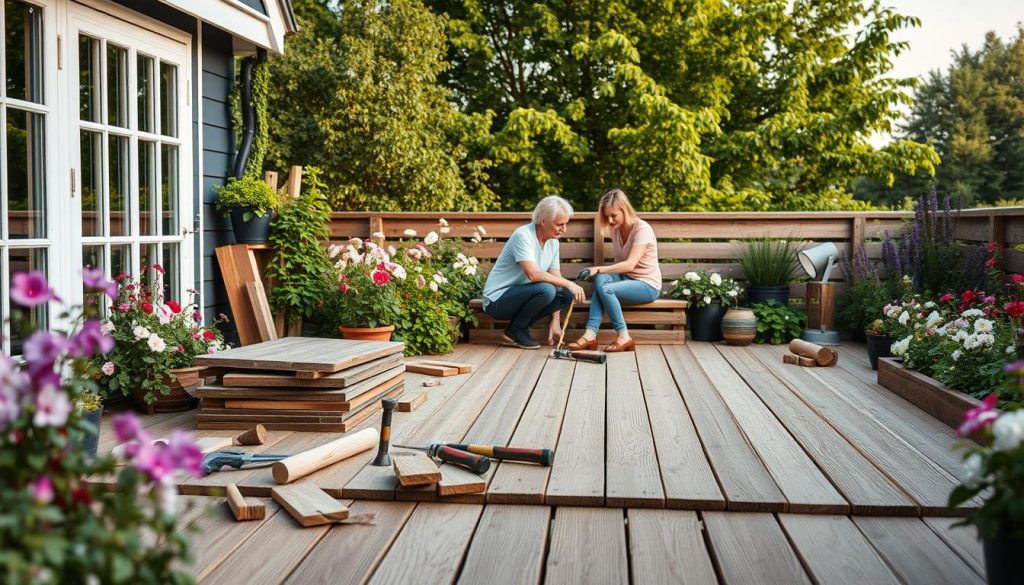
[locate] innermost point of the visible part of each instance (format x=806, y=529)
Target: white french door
x=131, y=149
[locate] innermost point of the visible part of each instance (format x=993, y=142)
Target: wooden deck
x=795, y=474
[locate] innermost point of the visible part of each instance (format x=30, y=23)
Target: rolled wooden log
x=302, y=464
x=825, y=356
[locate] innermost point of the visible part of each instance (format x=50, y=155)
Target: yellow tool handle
x=565, y=326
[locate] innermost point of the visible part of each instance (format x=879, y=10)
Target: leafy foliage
x=702, y=288
x=424, y=326
x=767, y=262
x=866, y=293
x=247, y=192
x=300, y=262
x=777, y=323
x=260, y=96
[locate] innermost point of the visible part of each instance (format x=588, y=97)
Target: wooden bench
x=660, y=322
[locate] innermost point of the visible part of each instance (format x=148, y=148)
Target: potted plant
x=769, y=265
x=250, y=203
x=777, y=323
x=994, y=466
x=709, y=295
x=90, y=404
x=156, y=342
x=363, y=297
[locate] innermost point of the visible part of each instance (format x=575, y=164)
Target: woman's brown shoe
x=583, y=344
x=616, y=347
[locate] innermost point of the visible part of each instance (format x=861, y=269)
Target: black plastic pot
x=705, y=323
x=1004, y=563
x=878, y=347
x=762, y=294
x=90, y=441
x=254, y=231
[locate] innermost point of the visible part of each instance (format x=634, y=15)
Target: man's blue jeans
x=611, y=291
x=524, y=304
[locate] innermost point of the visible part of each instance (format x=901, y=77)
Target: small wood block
x=254, y=436
x=457, y=480
x=308, y=504
x=416, y=469
x=244, y=508
x=422, y=368
x=210, y=444
x=791, y=358
x=807, y=362
x=463, y=368
x=410, y=402
x=431, y=382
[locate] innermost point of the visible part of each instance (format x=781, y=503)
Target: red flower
x=181, y=349
x=174, y=307
x=968, y=296
x=122, y=276
x=990, y=262
x=1018, y=278
x=991, y=247
x=343, y=288
x=196, y=315
x=946, y=297
x=159, y=268
x=208, y=335
x=381, y=277
x=1015, y=309
x=147, y=307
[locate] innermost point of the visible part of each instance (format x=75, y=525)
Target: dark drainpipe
x=248, y=112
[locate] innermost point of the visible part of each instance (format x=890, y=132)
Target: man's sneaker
x=520, y=338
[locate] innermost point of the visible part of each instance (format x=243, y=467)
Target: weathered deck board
x=668, y=547
x=915, y=553
x=508, y=546
x=817, y=538
x=431, y=546
x=868, y=490
x=751, y=548
x=962, y=539
x=633, y=479
x=686, y=474
x=588, y=547
x=745, y=482
x=578, y=476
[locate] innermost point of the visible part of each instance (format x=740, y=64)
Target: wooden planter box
x=933, y=397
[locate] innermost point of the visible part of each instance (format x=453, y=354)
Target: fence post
x=856, y=234
x=997, y=233
x=376, y=225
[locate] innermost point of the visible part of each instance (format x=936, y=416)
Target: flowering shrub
x=365, y=293
x=152, y=338
x=860, y=303
x=703, y=288
x=53, y=526
x=996, y=465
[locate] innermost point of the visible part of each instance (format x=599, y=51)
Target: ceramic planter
x=254, y=231
x=367, y=333
x=705, y=323
x=761, y=294
x=739, y=326
x=878, y=347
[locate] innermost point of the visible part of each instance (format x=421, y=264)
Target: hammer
x=565, y=354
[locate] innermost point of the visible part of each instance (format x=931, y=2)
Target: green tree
x=355, y=94
x=746, y=104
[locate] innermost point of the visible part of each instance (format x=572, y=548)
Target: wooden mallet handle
x=302, y=464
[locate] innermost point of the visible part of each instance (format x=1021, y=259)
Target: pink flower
x=91, y=340
x=1018, y=278
x=52, y=405
x=990, y=262
x=42, y=348
x=93, y=279
x=10, y=401
x=223, y=317
x=108, y=368
x=420, y=281
x=211, y=349
x=184, y=453
x=42, y=490
x=989, y=300
x=197, y=316
x=31, y=289
x=381, y=277
x=126, y=427
x=124, y=307
x=979, y=417
x=343, y=288
x=159, y=268
x=991, y=247
x=946, y=298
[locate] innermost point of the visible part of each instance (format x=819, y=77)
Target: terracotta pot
x=178, y=399
x=739, y=326
x=367, y=333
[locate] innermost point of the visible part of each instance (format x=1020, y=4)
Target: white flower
x=716, y=279
x=433, y=286
x=732, y=293
x=973, y=313
x=397, y=270
x=972, y=473
x=164, y=314
x=691, y=276
x=707, y=299
x=933, y=319
x=476, y=238
x=986, y=340
x=140, y=332
x=377, y=235
x=107, y=327
x=410, y=232
x=904, y=317
x=445, y=229
x=156, y=344
x=431, y=239
x=983, y=325
x=955, y=355
x=929, y=305
x=893, y=310
x=481, y=229
x=392, y=251
x=1008, y=431
x=356, y=242
x=333, y=250
x=439, y=278
x=470, y=270
x=900, y=347
x=442, y=222
x=1010, y=349
x=109, y=368
x=687, y=292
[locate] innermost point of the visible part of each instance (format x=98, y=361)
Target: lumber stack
x=299, y=384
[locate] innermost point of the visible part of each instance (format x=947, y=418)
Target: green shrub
x=767, y=262
x=249, y=193
x=777, y=323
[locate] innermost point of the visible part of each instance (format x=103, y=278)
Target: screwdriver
x=471, y=461
x=543, y=457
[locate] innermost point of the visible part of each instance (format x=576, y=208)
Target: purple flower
x=126, y=427
x=93, y=279
x=91, y=340
x=42, y=490
x=42, y=349
x=31, y=289
x=10, y=404
x=52, y=404
x=184, y=453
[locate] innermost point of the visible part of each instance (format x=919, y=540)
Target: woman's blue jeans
x=611, y=292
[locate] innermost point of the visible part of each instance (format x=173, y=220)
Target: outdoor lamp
x=818, y=262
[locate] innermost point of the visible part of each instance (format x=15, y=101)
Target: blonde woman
x=633, y=279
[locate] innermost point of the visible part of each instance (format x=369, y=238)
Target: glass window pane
x=88, y=79
x=25, y=321
x=144, y=71
x=26, y=185
x=118, y=195
x=92, y=257
x=120, y=259
x=92, y=183
x=150, y=256
x=169, y=188
x=171, y=277
x=148, y=192
x=168, y=99
x=23, y=29
x=117, y=86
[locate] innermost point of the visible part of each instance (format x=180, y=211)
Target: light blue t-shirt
x=522, y=245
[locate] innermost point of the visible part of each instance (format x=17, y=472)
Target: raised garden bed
x=931, y=396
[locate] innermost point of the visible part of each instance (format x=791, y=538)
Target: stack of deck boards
x=299, y=384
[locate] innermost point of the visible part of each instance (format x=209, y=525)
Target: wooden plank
x=867, y=489
x=588, y=546
x=307, y=354
x=439, y=371
x=308, y=504
x=686, y=474
x=508, y=546
x=578, y=477
x=409, y=402
x=457, y=481
x=216, y=536
x=294, y=181
x=915, y=553
x=633, y=478
x=668, y=547
x=834, y=551
x=537, y=428
x=462, y=367
x=962, y=539
x=349, y=553
x=342, y=379
x=751, y=548
x=431, y=546
x=745, y=482
x=300, y=392
x=261, y=311
x=242, y=508
x=937, y=399
x=237, y=268
x=414, y=469
x=604, y=336
x=285, y=405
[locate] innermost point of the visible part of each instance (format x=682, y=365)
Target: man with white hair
x=526, y=282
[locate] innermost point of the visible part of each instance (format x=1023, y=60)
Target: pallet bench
x=660, y=322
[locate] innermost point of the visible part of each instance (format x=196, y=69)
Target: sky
x=945, y=26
